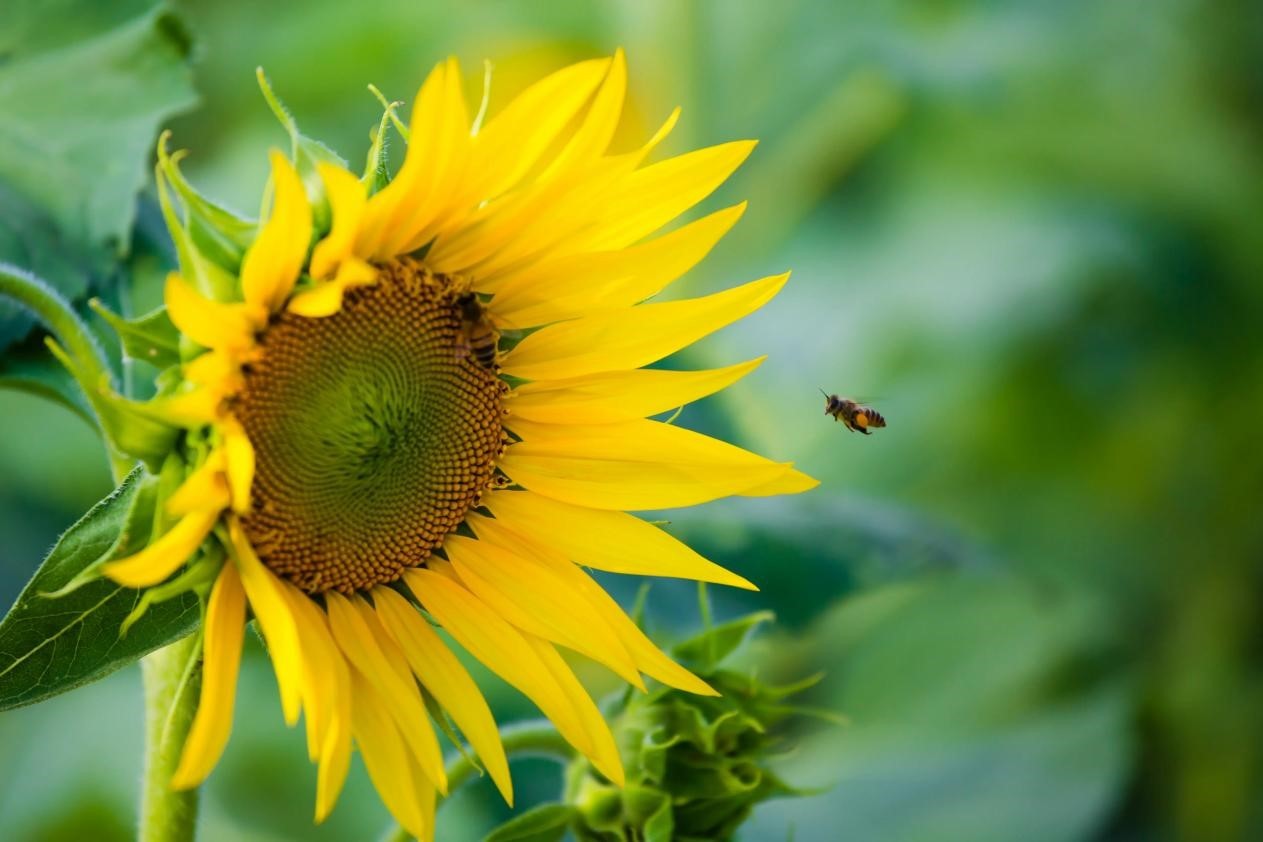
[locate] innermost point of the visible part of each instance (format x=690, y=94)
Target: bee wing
x=505, y=327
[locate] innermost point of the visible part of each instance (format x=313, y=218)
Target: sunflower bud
x=696, y=765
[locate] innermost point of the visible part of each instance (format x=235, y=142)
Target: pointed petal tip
x=704, y=689
x=612, y=769
x=735, y=581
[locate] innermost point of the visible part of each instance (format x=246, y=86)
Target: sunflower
x=363, y=458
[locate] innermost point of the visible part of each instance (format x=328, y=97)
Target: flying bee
x=857, y=417
x=481, y=339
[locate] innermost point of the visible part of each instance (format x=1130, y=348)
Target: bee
x=856, y=417
x=482, y=340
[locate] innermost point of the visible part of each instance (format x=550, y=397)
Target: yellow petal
x=383, y=667
x=205, y=488
x=568, y=286
x=593, y=136
x=653, y=196
x=503, y=649
x=651, y=660
x=326, y=696
x=428, y=185
x=240, y=462
x=534, y=222
x=426, y=746
x=532, y=597
x=321, y=662
x=325, y=298
x=161, y=558
x=441, y=673
x=379, y=740
x=335, y=761
x=606, y=540
x=790, y=482
x=632, y=465
x=604, y=754
x=450, y=197
x=215, y=369
x=221, y=657
x=427, y=799
x=276, y=621
x=514, y=141
x=194, y=408
x=504, y=232
x=347, y=201
x=630, y=337
x=647, y=656
x=272, y=263
x=212, y=324
x=415, y=180
x=619, y=395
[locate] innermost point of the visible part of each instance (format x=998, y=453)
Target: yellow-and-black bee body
x=482, y=340
x=855, y=416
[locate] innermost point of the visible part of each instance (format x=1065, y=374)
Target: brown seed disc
x=374, y=433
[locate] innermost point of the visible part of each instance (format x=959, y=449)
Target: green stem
x=33, y=293
x=537, y=738
x=172, y=677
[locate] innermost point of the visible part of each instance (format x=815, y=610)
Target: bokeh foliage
x=1028, y=231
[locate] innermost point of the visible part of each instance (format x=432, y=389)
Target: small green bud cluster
x=696, y=765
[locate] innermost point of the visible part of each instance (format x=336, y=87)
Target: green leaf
x=545, y=823
x=80, y=118
x=84, y=87
x=51, y=645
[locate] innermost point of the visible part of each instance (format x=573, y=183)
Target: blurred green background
x=1029, y=232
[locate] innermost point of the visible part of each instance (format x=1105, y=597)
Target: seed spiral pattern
x=374, y=432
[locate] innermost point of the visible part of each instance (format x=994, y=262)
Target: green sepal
x=212, y=245
x=216, y=229
x=151, y=337
x=210, y=278
x=705, y=651
x=545, y=823
x=196, y=579
x=49, y=646
x=128, y=431
x=649, y=809
x=376, y=175
x=306, y=153
x=170, y=477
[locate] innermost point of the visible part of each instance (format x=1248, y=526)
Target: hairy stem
x=537, y=738
x=172, y=677
x=35, y=295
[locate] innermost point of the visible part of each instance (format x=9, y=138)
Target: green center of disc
x=374, y=433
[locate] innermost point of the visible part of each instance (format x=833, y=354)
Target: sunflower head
x=346, y=438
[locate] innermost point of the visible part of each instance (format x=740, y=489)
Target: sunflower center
x=375, y=432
